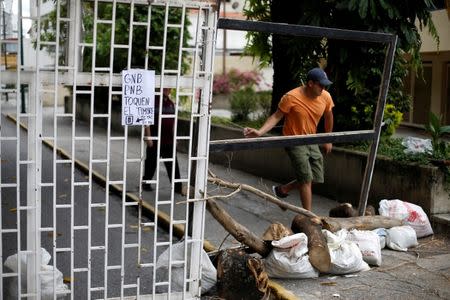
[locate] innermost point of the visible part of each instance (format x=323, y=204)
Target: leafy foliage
x=436, y=131
x=393, y=148
x=354, y=67
x=158, y=36
x=120, y=14
x=392, y=118
x=243, y=102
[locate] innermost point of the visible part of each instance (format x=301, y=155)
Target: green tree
x=121, y=19
x=355, y=67
x=172, y=39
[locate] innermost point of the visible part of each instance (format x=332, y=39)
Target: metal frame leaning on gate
x=346, y=136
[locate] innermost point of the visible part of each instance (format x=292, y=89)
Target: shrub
x=392, y=118
x=234, y=81
x=264, y=103
x=435, y=129
x=393, y=148
x=243, y=102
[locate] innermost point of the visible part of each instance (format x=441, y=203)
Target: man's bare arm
x=267, y=126
x=328, y=127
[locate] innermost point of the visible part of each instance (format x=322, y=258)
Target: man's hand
x=251, y=132
x=149, y=143
x=327, y=148
x=268, y=125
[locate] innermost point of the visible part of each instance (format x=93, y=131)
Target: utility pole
x=4, y=33
x=224, y=68
x=22, y=86
x=4, y=39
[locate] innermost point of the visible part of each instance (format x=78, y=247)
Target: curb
x=278, y=291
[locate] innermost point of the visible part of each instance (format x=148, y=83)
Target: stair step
x=441, y=223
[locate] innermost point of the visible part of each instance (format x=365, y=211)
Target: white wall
x=441, y=21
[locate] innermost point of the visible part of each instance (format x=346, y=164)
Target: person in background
x=166, y=140
x=302, y=108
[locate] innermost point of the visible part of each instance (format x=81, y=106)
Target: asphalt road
x=421, y=273
x=62, y=218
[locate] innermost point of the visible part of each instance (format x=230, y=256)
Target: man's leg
x=307, y=163
x=166, y=152
x=305, y=190
x=286, y=188
x=150, y=165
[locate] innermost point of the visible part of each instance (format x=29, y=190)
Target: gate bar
x=332, y=33
x=305, y=30
x=293, y=140
x=368, y=173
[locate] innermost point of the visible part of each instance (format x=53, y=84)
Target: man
x=302, y=108
x=166, y=140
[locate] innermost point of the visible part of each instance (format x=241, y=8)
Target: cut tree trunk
x=360, y=223
x=319, y=255
x=239, y=232
x=241, y=276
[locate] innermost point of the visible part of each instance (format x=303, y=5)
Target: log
x=360, y=223
x=241, y=276
x=319, y=254
x=275, y=232
x=240, y=232
x=346, y=210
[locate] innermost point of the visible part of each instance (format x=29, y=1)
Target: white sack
x=289, y=259
x=209, y=272
x=409, y=213
x=417, y=145
x=368, y=243
x=382, y=233
x=345, y=255
x=46, y=278
x=401, y=238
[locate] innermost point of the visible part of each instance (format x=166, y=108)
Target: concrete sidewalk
x=423, y=272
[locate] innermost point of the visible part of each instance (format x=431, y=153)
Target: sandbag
x=289, y=259
x=46, y=277
x=382, y=233
x=209, y=272
x=345, y=255
x=417, y=145
x=401, y=238
x=368, y=243
x=409, y=213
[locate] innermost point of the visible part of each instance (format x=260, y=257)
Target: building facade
x=431, y=92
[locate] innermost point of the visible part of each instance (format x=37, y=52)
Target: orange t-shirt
x=302, y=114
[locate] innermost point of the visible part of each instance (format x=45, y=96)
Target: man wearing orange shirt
x=302, y=108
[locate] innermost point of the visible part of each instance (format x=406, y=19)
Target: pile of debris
x=339, y=244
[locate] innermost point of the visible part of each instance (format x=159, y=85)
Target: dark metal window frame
x=390, y=40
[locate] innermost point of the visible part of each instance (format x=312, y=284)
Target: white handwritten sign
x=138, y=97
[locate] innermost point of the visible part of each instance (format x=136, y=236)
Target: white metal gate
x=71, y=180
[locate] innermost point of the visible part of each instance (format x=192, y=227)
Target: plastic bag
x=368, y=243
x=382, y=233
x=409, y=213
x=345, y=255
x=289, y=259
x=401, y=238
x=46, y=278
x=417, y=145
x=209, y=272
x=291, y=241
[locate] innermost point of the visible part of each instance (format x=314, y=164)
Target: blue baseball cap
x=318, y=75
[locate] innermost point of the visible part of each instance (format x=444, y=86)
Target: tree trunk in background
x=284, y=79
